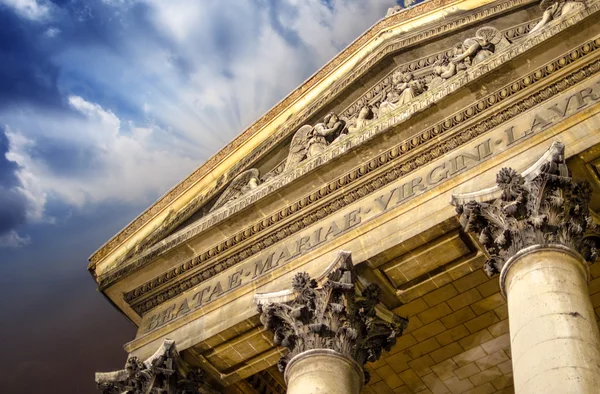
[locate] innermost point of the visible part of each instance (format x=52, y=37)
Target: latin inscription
x=497, y=141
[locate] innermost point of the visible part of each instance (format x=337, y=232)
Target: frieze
x=284, y=131
x=171, y=222
x=386, y=194
x=394, y=171
x=401, y=114
x=199, y=200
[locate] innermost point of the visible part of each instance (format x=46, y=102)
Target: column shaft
x=323, y=371
x=555, y=343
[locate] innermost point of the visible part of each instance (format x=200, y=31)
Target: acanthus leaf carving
x=161, y=373
x=334, y=316
x=549, y=208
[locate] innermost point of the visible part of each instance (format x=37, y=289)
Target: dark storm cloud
x=12, y=203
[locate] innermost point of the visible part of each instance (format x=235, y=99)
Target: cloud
x=29, y=9
x=12, y=239
x=13, y=207
x=116, y=101
x=91, y=157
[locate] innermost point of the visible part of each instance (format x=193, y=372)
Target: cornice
x=408, y=21
x=457, y=129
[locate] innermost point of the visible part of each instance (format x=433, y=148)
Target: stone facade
x=488, y=108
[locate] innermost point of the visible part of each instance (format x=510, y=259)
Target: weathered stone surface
x=334, y=316
x=547, y=207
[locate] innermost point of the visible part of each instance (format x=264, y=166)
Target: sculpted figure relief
x=404, y=88
x=554, y=9
x=486, y=42
x=240, y=185
x=310, y=141
x=361, y=120
x=442, y=70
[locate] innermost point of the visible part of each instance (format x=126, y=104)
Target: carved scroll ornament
x=334, y=316
x=547, y=207
x=159, y=374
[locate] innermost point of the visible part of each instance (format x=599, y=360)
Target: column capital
x=544, y=206
x=336, y=315
x=163, y=372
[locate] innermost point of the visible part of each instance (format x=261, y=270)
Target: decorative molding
x=423, y=68
x=391, y=160
x=544, y=206
x=370, y=96
x=160, y=373
x=448, y=25
x=335, y=316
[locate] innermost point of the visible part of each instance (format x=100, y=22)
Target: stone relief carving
x=284, y=131
x=310, y=141
x=547, y=207
x=211, y=257
x=475, y=50
x=404, y=88
x=554, y=9
x=334, y=316
x=393, y=10
x=239, y=186
x=159, y=374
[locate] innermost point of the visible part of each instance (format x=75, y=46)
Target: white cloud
x=29, y=9
x=199, y=74
x=51, y=32
x=116, y=163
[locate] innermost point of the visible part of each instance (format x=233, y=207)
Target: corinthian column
x=539, y=235
x=330, y=331
x=164, y=372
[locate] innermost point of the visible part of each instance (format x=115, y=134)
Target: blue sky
x=105, y=105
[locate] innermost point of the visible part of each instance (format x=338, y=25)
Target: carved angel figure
x=239, y=186
x=310, y=141
x=486, y=42
x=554, y=9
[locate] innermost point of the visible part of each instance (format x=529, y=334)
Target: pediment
x=396, y=60
x=397, y=39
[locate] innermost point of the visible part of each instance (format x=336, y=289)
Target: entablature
x=409, y=29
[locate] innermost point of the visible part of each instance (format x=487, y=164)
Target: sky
x=104, y=106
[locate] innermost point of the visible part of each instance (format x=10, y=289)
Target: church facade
x=420, y=216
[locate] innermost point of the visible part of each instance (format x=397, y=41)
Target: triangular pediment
x=368, y=102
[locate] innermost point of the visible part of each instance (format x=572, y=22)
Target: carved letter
x=384, y=200
x=260, y=267
x=217, y=291
x=333, y=230
x=183, y=309
x=416, y=183
x=351, y=219
x=303, y=242
x=153, y=322
x=442, y=175
x=538, y=122
x=199, y=295
x=235, y=280
x=167, y=315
